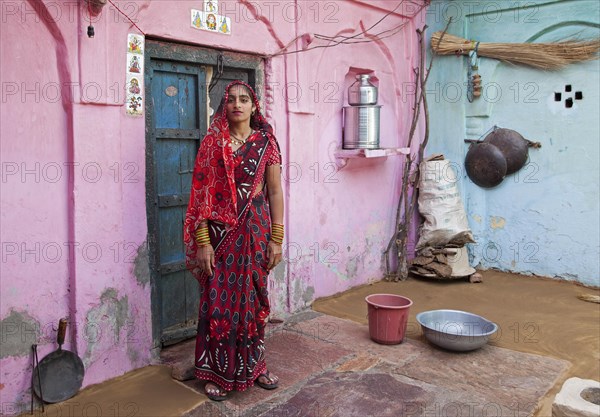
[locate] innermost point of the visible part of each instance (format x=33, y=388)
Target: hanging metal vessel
x=362, y=92
x=485, y=165
x=513, y=146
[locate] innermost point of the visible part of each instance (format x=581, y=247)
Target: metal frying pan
x=60, y=372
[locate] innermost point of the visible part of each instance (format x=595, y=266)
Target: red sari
x=234, y=302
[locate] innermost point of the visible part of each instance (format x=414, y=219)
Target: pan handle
x=62, y=331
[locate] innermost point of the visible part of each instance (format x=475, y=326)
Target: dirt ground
x=534, y=315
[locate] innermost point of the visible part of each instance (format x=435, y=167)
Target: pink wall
x=338, y=221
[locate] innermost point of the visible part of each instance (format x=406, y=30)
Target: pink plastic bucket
x=388, y=316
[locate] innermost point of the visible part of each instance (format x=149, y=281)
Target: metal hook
x=220, y=67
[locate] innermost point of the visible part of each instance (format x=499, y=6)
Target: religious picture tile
x=135, y=64
x=211, y=21
x=134, y=85
x=224, y=25
x=135, y=44
x=198, y=19
x=135, y=105
x=211, y=6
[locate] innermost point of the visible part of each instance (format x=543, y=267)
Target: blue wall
x=544, y=219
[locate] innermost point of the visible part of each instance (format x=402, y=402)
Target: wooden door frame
x=159, y=49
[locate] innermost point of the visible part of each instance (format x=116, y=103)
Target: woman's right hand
x=206, y=259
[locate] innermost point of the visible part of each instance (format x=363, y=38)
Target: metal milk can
x=361, y=118
x=362, y=92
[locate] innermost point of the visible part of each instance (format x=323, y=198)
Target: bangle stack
x=277, y=233
x=202, y=237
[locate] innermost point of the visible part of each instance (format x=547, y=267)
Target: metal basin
x=456, y=330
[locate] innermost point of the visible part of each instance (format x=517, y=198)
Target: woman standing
x=233, y=235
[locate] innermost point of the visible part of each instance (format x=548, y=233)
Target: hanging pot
x=513, y=146
x=485, y=164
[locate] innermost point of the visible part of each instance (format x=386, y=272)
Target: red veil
x=213, y=192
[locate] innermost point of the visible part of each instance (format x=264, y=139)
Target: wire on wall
x=356, y=38
x=124, y=14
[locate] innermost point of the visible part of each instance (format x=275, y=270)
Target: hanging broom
x=546, y=56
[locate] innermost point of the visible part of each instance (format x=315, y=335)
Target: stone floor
x=328, y=365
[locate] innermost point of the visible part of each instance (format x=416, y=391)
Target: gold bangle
x=277, y=238
x=201, y=231
x=202, y=236
x=277, y=233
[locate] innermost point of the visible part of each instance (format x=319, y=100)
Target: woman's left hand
x=274, y=251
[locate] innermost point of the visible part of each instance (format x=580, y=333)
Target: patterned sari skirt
x=234, y=303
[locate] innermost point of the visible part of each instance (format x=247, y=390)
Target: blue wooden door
x=176, y=122
x=178, y=92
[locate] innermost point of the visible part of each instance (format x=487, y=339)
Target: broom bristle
x=547, y=56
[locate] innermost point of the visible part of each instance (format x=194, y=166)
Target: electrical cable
x=128, y=18
x=354, y=38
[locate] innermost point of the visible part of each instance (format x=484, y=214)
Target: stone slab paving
x=330, y=367
x=351, y=394
x=349, y=333
x=496, y=381
x=294, y=357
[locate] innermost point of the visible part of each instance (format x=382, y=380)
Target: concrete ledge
x=570, y=403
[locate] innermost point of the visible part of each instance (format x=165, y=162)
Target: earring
x=253, y=113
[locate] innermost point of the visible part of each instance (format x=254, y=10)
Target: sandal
x=215, y=392
x=273, y=381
